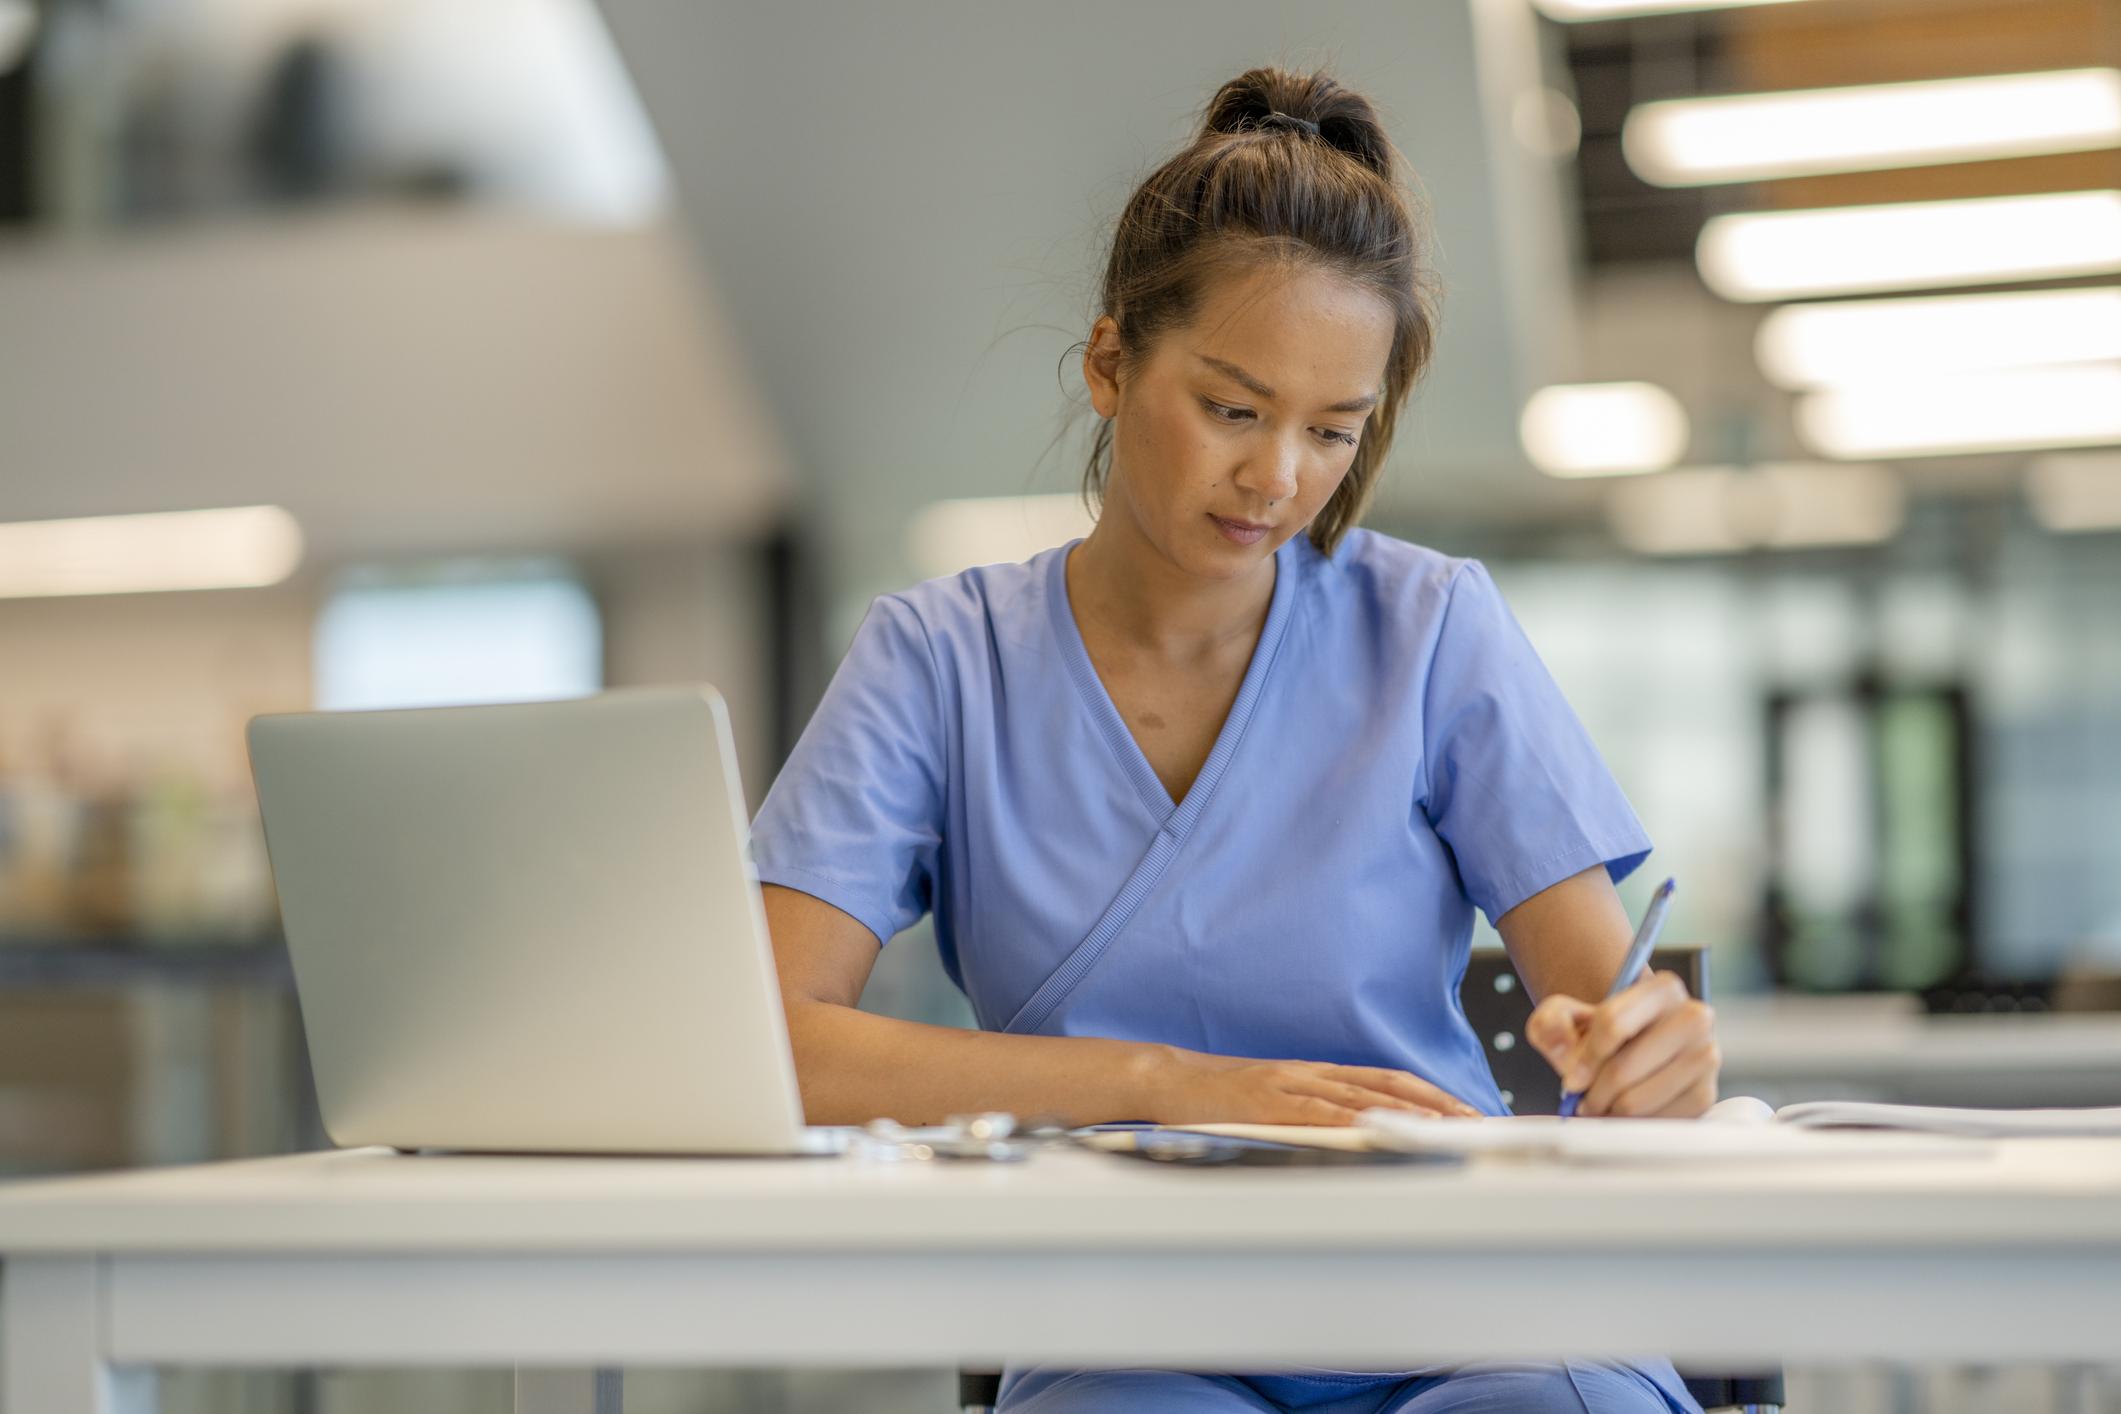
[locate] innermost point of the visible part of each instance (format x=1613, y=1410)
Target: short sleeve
x=1515, y=786
x=855, y=817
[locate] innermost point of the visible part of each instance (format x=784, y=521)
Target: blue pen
x=1638, y=957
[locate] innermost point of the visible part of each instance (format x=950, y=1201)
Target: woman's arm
x=853, y=1066
x=1649, y=1051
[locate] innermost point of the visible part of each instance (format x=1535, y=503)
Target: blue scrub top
x=1396, y=757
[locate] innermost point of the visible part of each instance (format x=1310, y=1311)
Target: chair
x=1496, y=1005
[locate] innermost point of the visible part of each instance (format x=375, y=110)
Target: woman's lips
x=1237, y=530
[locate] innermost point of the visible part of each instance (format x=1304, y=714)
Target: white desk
x=367, y=1257
x=1789, y=1048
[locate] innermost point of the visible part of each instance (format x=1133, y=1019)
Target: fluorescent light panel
x=1683, y=512
x=2075, y=491
x=241, y=547
x=1783, y=255
x=18, y=25
x=954, y=535
x=2075, y=405
x=1699, y=141
x=1806, y=345
x=1577, y=10
x=1778, y=505
x=1603, y=429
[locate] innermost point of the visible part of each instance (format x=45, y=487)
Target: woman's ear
x=1101, y=365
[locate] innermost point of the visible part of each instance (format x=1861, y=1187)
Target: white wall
x=141, y=677
x=694, y=614
x=906, y=224
x=401, y=379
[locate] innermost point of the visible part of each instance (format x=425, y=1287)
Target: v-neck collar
x=1173, y=817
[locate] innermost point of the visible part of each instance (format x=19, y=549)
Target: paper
x=1938, y=1119
x=1455, y=1134
x=1735, y=1130
x=1741, y=1109
x=1740, y=1128
x=1310, y=1136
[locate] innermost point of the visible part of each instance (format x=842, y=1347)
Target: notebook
x=1940, y=1119
x=1739, y=1128
x=1745, y=1128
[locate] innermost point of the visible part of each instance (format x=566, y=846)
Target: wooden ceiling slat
x=2017, y=176
x=1831, y=44
x=1837, y=43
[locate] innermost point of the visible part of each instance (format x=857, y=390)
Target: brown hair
x=1244, y=193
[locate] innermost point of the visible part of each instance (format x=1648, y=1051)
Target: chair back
x=1497, y=1005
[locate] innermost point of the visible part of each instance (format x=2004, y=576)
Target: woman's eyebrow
x=1239, y=376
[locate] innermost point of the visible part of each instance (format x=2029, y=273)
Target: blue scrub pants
x=1488, y=1387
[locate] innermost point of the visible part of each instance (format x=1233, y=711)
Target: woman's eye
x=1223, y=413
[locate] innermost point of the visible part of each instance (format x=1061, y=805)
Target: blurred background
x=388, y=352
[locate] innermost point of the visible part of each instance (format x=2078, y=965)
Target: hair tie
x=1288, y=120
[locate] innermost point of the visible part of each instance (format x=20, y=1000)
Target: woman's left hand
x=1650, y=1051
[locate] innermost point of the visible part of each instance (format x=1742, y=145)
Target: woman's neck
x=1122, y=587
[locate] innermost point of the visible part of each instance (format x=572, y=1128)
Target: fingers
x=1415, y=1092
x=1362, y=1097
x=1556, y=1025
x=1646, y=1064
x=1352, y=1098
x=1316, y=1109
x=1695, y=1101
x=1683, y=1089
x=1319, y=1092
x=1617, y=1021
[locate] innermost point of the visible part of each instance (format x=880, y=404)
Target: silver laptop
x=530, y=927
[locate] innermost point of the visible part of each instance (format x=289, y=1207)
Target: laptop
x=530, y=927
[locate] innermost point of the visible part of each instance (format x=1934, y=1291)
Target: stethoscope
x=993, y=1135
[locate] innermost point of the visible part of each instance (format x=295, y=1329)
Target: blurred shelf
x=49, y=961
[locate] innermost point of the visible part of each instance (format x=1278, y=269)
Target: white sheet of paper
x=1734, y=1130
x=1491, y=1134
x=1941, y=1119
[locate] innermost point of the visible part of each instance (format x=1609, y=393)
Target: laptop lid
x=528, y=926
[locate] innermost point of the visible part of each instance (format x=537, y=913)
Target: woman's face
x=1236, y=430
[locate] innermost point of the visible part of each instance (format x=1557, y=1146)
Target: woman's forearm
x=854, y=1066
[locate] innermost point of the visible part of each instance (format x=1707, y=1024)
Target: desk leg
x=540, y=1391
x=51, y=1343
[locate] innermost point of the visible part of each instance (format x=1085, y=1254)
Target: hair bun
x=1341, y=116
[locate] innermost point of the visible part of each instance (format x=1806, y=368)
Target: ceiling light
x=1575, y=10
x=1804, y=345
x=1805, y=504
x=1684, y=512
x=953, y=535
x=1911, y=245
x=1778, y=505
x=1547, y=122
x=2075, y=491
x=2074, y=405
x=1603, y=429
x=1697, y=141
x=242, y=547
x=18, y=25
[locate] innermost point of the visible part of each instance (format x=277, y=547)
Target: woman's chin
x=1210, y=557
x=1203, y=550
x=1225, y=553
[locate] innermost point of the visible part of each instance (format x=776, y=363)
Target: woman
x=1203, y=802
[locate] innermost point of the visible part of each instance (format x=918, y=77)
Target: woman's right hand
x=1191, y=1087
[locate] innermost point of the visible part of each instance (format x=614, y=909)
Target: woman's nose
x=1272, y=473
